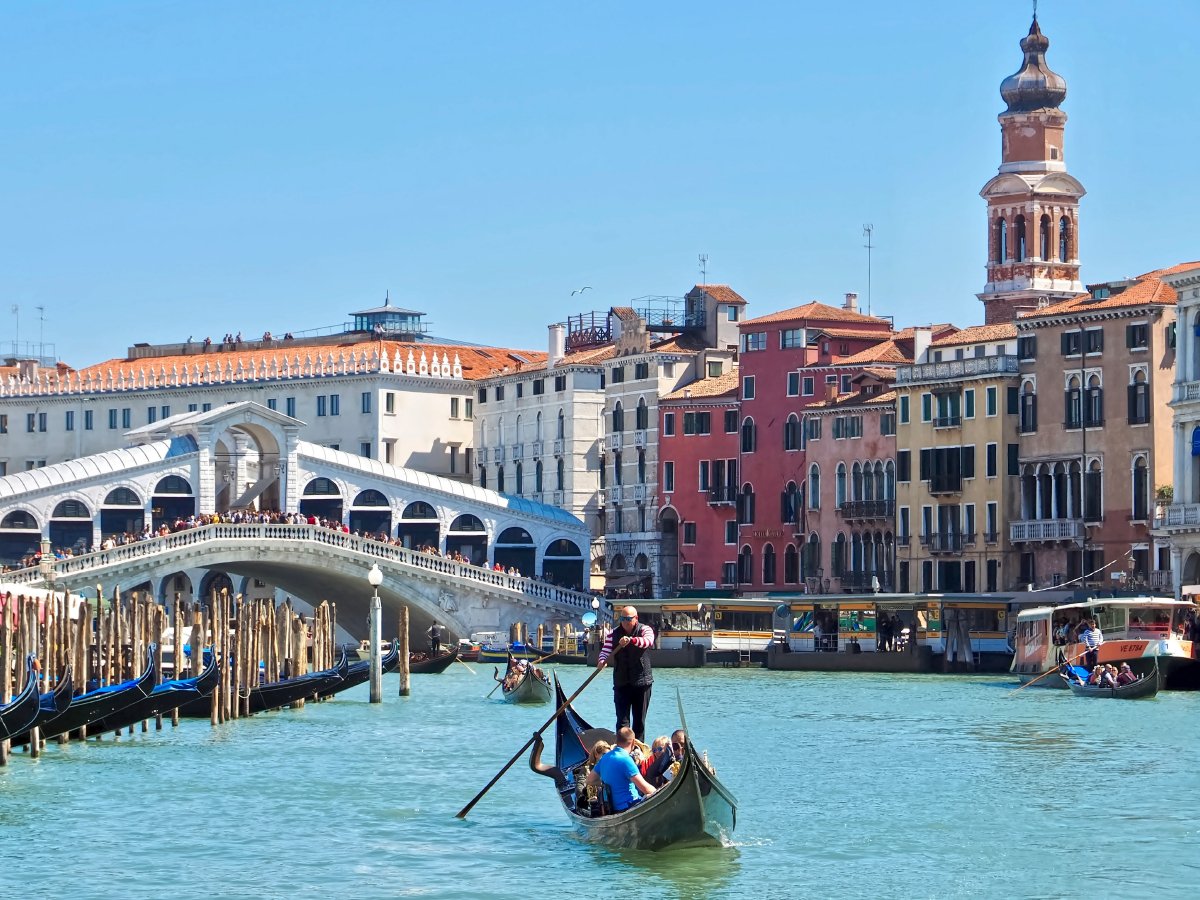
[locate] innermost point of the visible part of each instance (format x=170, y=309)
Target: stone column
x=206, y=491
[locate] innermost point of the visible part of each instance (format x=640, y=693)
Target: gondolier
x=1092, y=638
x=629, y=646
x=435, y=639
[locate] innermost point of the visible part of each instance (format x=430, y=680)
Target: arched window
x=618, y=563
x=483, y=477
x=1001, y=241
x=1141, y=489
x=370, y=498
x=814, y=486
x=419, y=509
x=1093, y=492
x=1064, y=239
x=791, y=433
x=537, y=477
x=539, y=427
x=839, y=485
x=19, y=519
x=768, y=572
x=519, y=479
x=563, y=547
x=791, y=565
x=856, y=482
x=789, y=511
x=746, y=505
x=1139, y=399
x=1094, y=410
x=466, y=522
x=1044, y=242
x=837, y=559
x=173, y=484
x=748, y=435
x=500, y=479
x=562, y=425
x=71, y=509
x=618, y=418
x=746, y=565
x=500, y=432
x=641, y=562
x=123, y=496
x=617, y=467
x=1019, y=239
x=514, y=536
x=517, y=431
x=561, y=475
x=641, y=467
x=889, y=481
x=643, y=415
x=856, y=552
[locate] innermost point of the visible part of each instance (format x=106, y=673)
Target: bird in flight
x=581, y=290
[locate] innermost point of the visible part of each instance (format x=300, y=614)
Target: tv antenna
x=41, y=327
x=868, y=231
x=703, y=269
x=16, y=311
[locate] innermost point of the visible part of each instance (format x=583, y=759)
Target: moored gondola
x=53, y=705
x=279, y=693
x=89, y=708
x=694, y=809
x=434, y=665
x=18, y=716
x=360, y=672
x=164, y=698
x=529, y=687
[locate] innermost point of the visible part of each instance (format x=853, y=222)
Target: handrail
x=257, y=532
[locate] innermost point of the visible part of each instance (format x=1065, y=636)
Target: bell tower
x=1032, y=203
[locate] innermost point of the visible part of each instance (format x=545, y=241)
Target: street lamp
x=375, y=579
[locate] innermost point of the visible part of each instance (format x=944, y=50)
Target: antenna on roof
x=868, y=230
x=41, y=327
x=387, y=298
x=703, y=269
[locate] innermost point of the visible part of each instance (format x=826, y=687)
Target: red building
x=698, y=441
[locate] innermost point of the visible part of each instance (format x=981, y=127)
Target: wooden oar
x=1058, y=668
x=462, y=813
x=469, y=669
x=498, y=682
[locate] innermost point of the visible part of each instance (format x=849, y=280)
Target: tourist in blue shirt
x=617, y=769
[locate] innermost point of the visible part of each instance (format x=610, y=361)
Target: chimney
x=851, y=303
x=831, y=391
x=558, y=345
x=28, y=369
x=922, y=337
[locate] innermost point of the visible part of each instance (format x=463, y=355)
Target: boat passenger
x=660, y=761
x=619, y=772
x=1091, y=637
x=1126, y=676
x=1096, y=676
x=1108, y=678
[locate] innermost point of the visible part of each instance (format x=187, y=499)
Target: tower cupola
x=1035, y=86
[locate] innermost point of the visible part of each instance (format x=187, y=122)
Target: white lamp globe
x=375, y=577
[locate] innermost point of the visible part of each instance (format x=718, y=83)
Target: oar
x=469, y=669
x=462, y=813
x=1048, y=672
x=498, y=683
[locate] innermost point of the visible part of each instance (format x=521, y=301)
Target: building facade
x=1096, y=376
x=956, y=472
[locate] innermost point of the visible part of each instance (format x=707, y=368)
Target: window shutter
x=1133, y=410
x=1129, y=340
x=1012, y=400
x=925, y=464
x=968, y=462
x=1065, y=345
x=1013, y=451
x=903, y=465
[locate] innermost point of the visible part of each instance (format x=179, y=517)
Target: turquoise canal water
x=849, y=786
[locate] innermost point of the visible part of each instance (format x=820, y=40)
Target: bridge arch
x=515, y=548
x=468, y=537
x=420, y=526
x=70, y=526
x=371, y=513
x=563, y=564
x=20, y=536
x=123, y=512
x=322, y=498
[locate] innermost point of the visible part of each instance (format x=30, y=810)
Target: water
x=849, y=786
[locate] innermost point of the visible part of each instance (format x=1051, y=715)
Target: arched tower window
x=537, y=477
x=1019, y=239
x=1001, y=241
x=1044, y=235
x=538, y=436
x=618, y=418
x=562, y=425
x=1064, y=239
x=562, y=468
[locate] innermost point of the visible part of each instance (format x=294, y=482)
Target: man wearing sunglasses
x=629, y=645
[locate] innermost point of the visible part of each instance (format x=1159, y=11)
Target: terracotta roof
x=681, y=343
x=860, y=334
x=855, y=400
x=881, y=374
x=819, y=312
x=1149, y=290
x=939, y=331
x=477, y=362
x=725, y=385
x=722, y=293
x=592, y=356
x=884, y=352
x=978, y=334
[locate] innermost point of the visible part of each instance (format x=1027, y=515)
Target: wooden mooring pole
x=403, y=639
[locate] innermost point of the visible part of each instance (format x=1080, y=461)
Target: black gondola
x=279, y=693
x=1144, y=688
x=95, y=705
x=360, y=672
x=692, y=810
x=434, y=666
x=529, y=687
x=18, y=716
x=52, y=705
x=164, y=698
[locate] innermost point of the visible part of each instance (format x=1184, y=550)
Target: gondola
x=438, y=664
x=530, y=689
x=93, y=706
x=360, y=672
x=278, y=693
x=52, y=705
x=1144, y=688
x=163, y=699
x=18, y=716
x=694, y=809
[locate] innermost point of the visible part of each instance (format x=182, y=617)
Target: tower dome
x=1034, y=86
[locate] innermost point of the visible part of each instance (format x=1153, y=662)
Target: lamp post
x=375, y=578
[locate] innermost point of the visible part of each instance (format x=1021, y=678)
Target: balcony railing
x=1178, y=515
x=498, y=454
x=481, y=456
x=639, y=439
x=903, y=540
x=1187, y=390
x=557, y=498
x=1046, y=530
x=868, y=509
x=559, y=447
x=518, y=451
x=945, y=542
x=957, y=368
x=947, y=422
x=616, y=440
x=1160, y=580
x=726, y=493
x=943, y=483
x=861, y=581
x=991, y=537
x=614, y=493
x=538, y=448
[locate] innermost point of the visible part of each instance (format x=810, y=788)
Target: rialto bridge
x=246, y=456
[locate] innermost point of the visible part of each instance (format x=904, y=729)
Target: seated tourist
x=1126, y=676
x=659, y=762
x=617, y=770
x=1096, y=676
x=1108, y=677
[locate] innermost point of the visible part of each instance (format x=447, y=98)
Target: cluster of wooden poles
x=565, y=639
x=108, y=644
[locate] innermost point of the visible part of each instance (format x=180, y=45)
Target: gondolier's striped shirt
x=643, y=636
x=1092, y=638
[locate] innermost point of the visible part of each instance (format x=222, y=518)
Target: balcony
x=1184, y=516
x=860, y=582
x=615, y=494
x=945, y=542
x=481, y=456
x=635, y=492
x=1187, y=390
x=957, y=368
x=991, y=537
x=639, y=439
x=538, y=449
x=947, y=422
x=560, y=447
x=945, y=483
x=616, y=440
x=903, y=540
x=518, y=452
x=498, y=454
x=1161, y=580
x=1046, y=530
x=867, y=509
x=723, y=494
x=556, y=498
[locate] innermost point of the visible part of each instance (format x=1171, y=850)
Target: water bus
x=1140, y=631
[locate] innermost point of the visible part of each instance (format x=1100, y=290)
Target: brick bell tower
x=1033, y=204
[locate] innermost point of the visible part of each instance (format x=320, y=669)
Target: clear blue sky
x=195, y=168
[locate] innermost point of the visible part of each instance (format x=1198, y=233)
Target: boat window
x=682, y=620
x=742, y=620
x=856, y=620
x=1112, y=618
x=982, y=619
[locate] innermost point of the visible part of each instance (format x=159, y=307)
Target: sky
x=171, y=169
